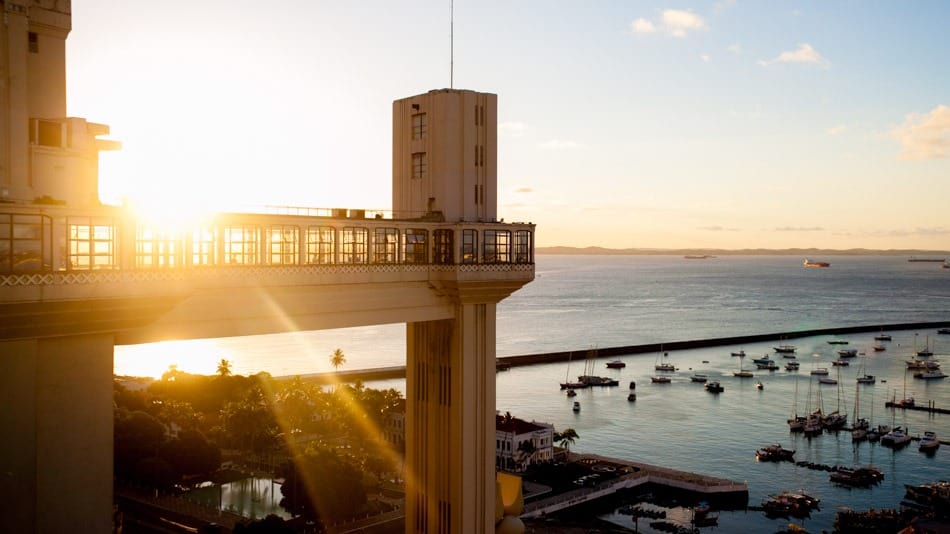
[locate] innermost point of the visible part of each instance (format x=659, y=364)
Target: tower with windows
x=45, y=156
x=444, y=169
x=444, y=155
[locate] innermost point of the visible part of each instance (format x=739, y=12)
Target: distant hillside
x=803, y=252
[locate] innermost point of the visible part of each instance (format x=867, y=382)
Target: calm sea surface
x=578, y=302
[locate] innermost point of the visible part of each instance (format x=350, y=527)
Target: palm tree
x=526, y=452
x=337, y=359
x=566, y=438
x=224, y=368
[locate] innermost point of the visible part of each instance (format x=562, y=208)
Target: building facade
x=519, y=443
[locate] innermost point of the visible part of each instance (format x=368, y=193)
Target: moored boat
x=631, y=397
x=943, y=330
x=879, y=348
x=788, y=504
x=847, y=353
x=774, y=453
x=660, y=379
x=866, y=379
x=592, y=380
x=930, y=375
x=819, y=371
x=841, y=363
x=895, y=438
x=857, y=477
x=740, y=353
x=792, y=366
x=882, y=337
x=785, y=349
x=714, y=387
x=577, y=406
x=571, y=393
x=827, y=380
x=616, y=364
x=697, y=377
x=838, y=341
x=929, y=442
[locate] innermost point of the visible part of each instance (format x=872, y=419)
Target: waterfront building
x=394, y=427
x=78, y=278
x=520, y=443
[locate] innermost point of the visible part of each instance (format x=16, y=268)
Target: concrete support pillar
x=56, y=416
x=450, y=423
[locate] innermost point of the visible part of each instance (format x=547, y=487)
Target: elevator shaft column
x=56, y=454
x=450, y=422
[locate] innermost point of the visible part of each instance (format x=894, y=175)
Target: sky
x=623, y=124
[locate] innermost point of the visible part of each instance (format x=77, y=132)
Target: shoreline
x=399, y=371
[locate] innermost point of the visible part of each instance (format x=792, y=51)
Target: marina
x=700, y=312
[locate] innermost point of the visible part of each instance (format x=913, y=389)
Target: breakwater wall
x=383, y=373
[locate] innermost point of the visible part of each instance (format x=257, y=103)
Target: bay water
x=579, y=302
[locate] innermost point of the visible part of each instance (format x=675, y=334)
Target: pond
x=250, y=497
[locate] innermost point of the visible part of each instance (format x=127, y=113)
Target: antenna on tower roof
x=452, y=45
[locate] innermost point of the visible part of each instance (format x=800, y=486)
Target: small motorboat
x=826, y=380
x=616, y=364
x=740, y=353
x=698, y=378
x=577, y=406
x=929, y=442
x=714, y=387
x=758, y=385
x=571, y=393
x=632, y=397
x=660, y=379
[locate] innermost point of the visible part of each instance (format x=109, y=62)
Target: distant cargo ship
x=935, y=260
x=698, y=257
x=809, y=263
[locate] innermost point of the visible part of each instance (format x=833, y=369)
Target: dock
x=639, y=474
x=930, y=407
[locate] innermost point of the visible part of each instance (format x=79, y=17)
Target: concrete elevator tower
x=45, y=156
x=444, y=167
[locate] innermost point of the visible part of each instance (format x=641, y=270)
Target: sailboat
x=865, y=378
x=874, y=433
x=567, y=384
x=926, y=352
x=796, y=423
x=742, y=373
x=835, y=420
x=663, y=366
x=813, y=420
x=859, y=427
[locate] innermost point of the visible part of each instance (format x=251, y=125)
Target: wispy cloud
x=838, y=129
x=805, y=53
x=799, y=229
x=524, y=190
x=560, y=144
x=735, y=48
x=642, y=25
x=512, y=129
x=925, y=136
x=937, y=231
x=676, y=22
x=717, y=228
